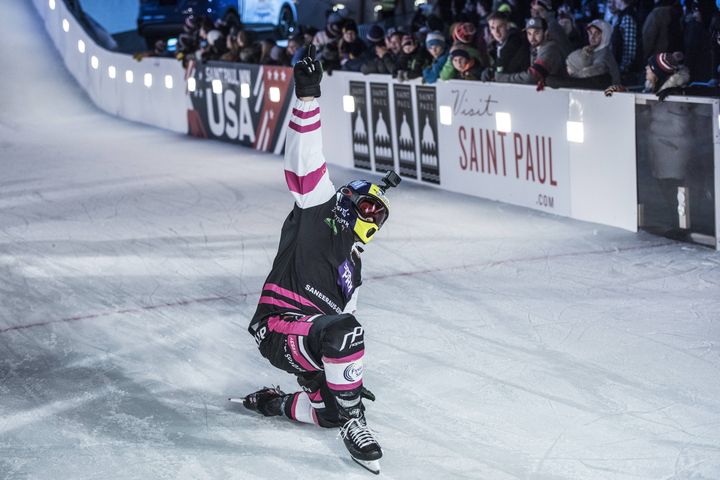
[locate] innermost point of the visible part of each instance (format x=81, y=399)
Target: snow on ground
x=502, y=343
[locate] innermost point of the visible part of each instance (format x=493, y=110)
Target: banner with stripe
x=241, y=103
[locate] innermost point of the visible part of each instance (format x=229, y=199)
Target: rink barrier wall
x=566, y=152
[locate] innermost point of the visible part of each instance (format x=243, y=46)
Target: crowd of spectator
x=612, y=45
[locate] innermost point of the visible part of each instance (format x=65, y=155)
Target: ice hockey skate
x=267, y=401
x=361, y=443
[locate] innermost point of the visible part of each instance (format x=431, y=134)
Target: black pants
x=325, y=352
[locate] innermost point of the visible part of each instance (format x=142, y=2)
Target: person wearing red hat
x=464, y=35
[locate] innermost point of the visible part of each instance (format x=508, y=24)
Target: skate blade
x=369, y=465
x=236, y=400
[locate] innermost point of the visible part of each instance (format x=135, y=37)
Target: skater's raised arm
x=305, y=169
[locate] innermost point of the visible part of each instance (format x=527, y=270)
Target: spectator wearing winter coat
x=463, y=37
x=574, y=36
x=466, y=66
x=393, y=40
x=215, y=46
x=509, y=50
x=331, y=33
x=233, y=51
x=378, y=58
x=596, y=59
x=555, y=32
x=351, y=48
x=435, y=45
x=546, y=59
x=626, y=40
x=665, y=70
x=412, y=59
x=662, y=30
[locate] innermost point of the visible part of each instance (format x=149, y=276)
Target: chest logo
x=345, y=270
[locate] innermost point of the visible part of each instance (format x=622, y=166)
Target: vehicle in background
x=161, y=19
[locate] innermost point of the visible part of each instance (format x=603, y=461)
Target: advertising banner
x=382, y=127
x=405, y=128
x=675, y=170
x=360, y=127
x=428, y=133
x=239, y=103
x=521, y=159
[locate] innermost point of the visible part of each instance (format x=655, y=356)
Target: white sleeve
x=352, y=303
x=305, y=169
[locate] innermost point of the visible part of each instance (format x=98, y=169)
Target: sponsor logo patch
x=353, y=372
x=345, y=271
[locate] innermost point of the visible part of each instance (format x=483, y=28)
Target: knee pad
x=343, y=337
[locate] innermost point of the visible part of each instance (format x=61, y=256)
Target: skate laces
x=358, y=431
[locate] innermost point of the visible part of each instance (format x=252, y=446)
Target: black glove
x=663, y=94
x=308, y=74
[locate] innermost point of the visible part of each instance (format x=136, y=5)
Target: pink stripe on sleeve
x=291, y=295
x=304, y=128
x=304, y=115
x=305, y=183
x=348, y=359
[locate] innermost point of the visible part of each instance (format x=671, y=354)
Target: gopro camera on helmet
x=390, y=180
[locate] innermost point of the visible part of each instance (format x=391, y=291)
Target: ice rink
x=501, y=343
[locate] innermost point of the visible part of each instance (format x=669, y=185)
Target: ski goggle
x=369, y=208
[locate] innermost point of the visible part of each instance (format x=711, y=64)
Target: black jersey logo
x=330, y=222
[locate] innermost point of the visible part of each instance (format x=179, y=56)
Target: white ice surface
x=502, y=343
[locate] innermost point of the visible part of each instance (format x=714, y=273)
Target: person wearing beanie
x=665, y=70
x=465, y=65
x=378, y=58
x=435, y=45
x=463, y=37
x=375, y=34
x=546, y=60
x=412, y=59
x=666, y=75
x=351, y=48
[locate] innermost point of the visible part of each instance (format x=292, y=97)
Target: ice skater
x=304, y=323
